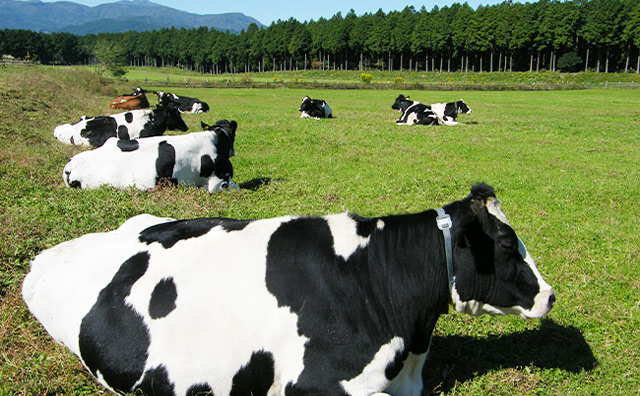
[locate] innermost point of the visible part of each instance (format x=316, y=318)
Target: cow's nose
x=552, y=300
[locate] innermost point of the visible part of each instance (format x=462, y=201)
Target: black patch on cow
x=128, y=145
x=199, y=390
x=113, y=338
x=256, y=377
x=364, y=227
x=451, y=110
x=207, y=166
x=377, y=294
x=394, y=368
x=163, y=118
x=123, y=132
x=156, y=382
x=163, y=299
x=75, y=184
x=168, y=234
x=72, y=183
x=99, y=129
x=165, y=162
x=128, y=117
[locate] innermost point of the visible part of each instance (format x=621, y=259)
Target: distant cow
x=435, y=114
x=198, y=159
x=314, y=108
x=136, y=100
x=333, y=305
x=186, y=104
x=413, y=113
x=94, y=131
x=447, y=112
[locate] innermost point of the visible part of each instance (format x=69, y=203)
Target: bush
x=569, y=62
x=398, y=80
x=366, y=78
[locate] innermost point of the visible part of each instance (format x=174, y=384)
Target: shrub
x=398, y=80
x=569, y=62
x=366, y=78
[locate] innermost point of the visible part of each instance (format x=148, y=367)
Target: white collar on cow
x=443, y=220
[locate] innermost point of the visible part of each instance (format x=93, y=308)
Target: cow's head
x=397, y=105
x=462, y=107
x=174, y=119
x=306, y=104
x=226, y=132
x=494, y=272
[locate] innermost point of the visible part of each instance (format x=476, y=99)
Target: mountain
x=120, y=16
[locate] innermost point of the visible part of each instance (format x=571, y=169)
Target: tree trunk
x=531, y=62
x=606, y=67
x=491, y=63
x=586, y=62
x=626, y=64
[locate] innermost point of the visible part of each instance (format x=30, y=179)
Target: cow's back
x=130, y=300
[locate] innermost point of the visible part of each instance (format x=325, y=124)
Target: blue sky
x=268, y=11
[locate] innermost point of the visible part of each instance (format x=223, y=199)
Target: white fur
x=373, y=376
x=409, y=381
x=345, y=239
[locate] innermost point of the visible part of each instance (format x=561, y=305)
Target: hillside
x=119, y=16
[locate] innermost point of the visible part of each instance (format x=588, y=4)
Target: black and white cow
x=314, y=108
x=447, y=112
x=435, y=114
x=334, y=305
x=198, y=159
x=413, y=112
x=94, y=131
x=186, y=104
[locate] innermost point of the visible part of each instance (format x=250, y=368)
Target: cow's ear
x=234, y=126
x=480, y=193
x=204, y=126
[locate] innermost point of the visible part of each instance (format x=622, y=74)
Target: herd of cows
x=121, y=157
x=332, y=305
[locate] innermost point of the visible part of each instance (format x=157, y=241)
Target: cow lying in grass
x=333, y=305
x=314, y=108
x=135, y=101
x=185, y=104
x=94, y=131
x=198, y=159
x=414, y=112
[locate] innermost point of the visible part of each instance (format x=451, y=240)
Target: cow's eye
x=507, y=245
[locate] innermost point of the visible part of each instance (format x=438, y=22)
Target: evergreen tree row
x=600, y=35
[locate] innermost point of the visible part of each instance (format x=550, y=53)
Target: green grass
x=392, y=79
x=564, y=165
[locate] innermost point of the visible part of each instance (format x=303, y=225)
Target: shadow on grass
x=462, y=358
x=256, y=183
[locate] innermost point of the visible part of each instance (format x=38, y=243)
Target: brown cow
x=137, y=100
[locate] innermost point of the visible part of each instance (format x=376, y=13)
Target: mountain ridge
x=116, y=17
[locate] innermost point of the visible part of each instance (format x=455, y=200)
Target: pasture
x=565, y=165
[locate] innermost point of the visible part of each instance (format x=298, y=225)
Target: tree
x=111, y=58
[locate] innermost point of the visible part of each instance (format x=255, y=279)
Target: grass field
x=351, y=78
x=564, y=164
